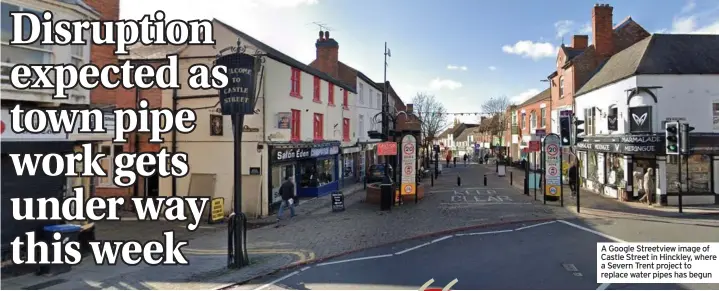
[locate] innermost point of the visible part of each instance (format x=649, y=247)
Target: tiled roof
x=672, y=54
x=546, y=94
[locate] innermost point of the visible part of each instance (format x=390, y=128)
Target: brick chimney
x=580, y=41
x=602, y=29
x=327, y=59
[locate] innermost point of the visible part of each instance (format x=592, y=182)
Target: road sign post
x=409, y=166
x=552, y=157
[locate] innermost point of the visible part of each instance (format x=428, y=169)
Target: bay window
x=34, y=53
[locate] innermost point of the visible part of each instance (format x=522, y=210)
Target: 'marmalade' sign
x=238, y=97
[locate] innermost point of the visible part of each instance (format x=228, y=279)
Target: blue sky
x=462, y=51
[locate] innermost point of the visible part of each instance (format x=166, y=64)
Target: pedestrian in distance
x=287, y=192
x=448, y=159
x=572, y=173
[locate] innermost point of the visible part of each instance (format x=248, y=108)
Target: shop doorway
x=152, y=185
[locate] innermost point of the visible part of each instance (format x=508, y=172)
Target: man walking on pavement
x=287, y=192
x=465, y=159
x=572, y=173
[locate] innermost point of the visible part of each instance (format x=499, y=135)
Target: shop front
x=312, y=167
x=616, y=166
x=350, y=165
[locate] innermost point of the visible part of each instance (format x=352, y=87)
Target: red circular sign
x=409, y=148
x=552, y=149
x=2, y=127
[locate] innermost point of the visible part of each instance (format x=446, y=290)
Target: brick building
x=577, y=62
x=531, y=116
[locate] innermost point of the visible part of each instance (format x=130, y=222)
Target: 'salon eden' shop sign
x=291, y=154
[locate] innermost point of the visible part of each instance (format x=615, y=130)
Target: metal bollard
x=432, y=177
x=459, y=180
x=511, y=178
x=526, y=186
x=485, y=179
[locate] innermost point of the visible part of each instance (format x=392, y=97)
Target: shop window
x=615, y=170
x=592, y=166
x=279, y=173
x=317, y=173
x=107, y=163
x=697, y=168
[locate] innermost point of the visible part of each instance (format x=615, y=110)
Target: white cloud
x=689, y=6
x=521, y=97
x=586, y=28
x=492, y=68
x=690, y=25
x=439, y=84
x=563, y=27
x=279, y=3
x=456, y=68
x=529, y=49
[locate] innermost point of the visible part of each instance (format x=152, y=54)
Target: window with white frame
x=379, y=101
x=561, y=87
x=542, y=116
x=371, y=100
x=589, y=121
x=524, y=120
x=533, y=119
x=110, y=151
x=34, y=53
x=361, y=93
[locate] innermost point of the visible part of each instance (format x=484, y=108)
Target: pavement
x=318, y=236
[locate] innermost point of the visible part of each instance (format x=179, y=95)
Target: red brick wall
x=102, y=55
x=602, y=29
x=528, y=108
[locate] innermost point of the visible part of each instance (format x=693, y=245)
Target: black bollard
x=485, y=179
x=526, y=186
x=459, y=181
x=511, y=178
x=432, y=177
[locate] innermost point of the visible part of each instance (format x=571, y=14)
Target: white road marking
x=277, y=280
x=603, y=286
x=486, y=232
x=441, y=239
x=305, y=269
x=592, y=231
x=535, y=225
x=412, y=248
x=354, y=260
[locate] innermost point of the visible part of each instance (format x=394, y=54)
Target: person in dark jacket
x=287, y=192
x=572, y=173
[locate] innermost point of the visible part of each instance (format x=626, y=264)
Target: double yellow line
x=301, y=255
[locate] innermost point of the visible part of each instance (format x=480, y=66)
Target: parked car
x=375, y=173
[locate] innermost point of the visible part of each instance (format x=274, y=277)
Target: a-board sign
x=553, y=165
x=217, y=210
x=254, y=171
x=338, y=201
x=409, y=165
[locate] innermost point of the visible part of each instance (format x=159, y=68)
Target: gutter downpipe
x=174, y=140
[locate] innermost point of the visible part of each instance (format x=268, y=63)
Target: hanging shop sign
x=640, y=119
x=238, y=97
x=553, y=165
x=409, y=165
x=388, y=148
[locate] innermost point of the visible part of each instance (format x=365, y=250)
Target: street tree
x=432, y=116
x=496, y=109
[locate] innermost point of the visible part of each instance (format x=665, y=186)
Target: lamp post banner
x=238, y=97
